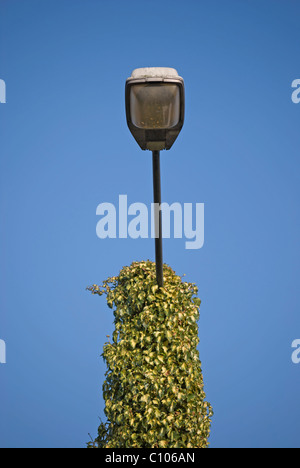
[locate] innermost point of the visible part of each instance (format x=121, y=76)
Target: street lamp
x=154, y=99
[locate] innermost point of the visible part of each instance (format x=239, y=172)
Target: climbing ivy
x=153, y=390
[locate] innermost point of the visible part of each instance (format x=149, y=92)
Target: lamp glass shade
x=155, y=106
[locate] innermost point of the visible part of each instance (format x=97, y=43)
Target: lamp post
x=154, y=99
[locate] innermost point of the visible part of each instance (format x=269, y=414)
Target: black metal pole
x=158, y=219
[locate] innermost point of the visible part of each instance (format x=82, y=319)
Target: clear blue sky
x=65, y=148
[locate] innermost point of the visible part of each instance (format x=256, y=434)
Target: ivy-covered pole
x=153, y=390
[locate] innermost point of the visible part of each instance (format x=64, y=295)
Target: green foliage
x=153, y=390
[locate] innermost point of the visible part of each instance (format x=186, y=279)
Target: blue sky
x=65, y=148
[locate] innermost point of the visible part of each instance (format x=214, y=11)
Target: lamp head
x=154, y=100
